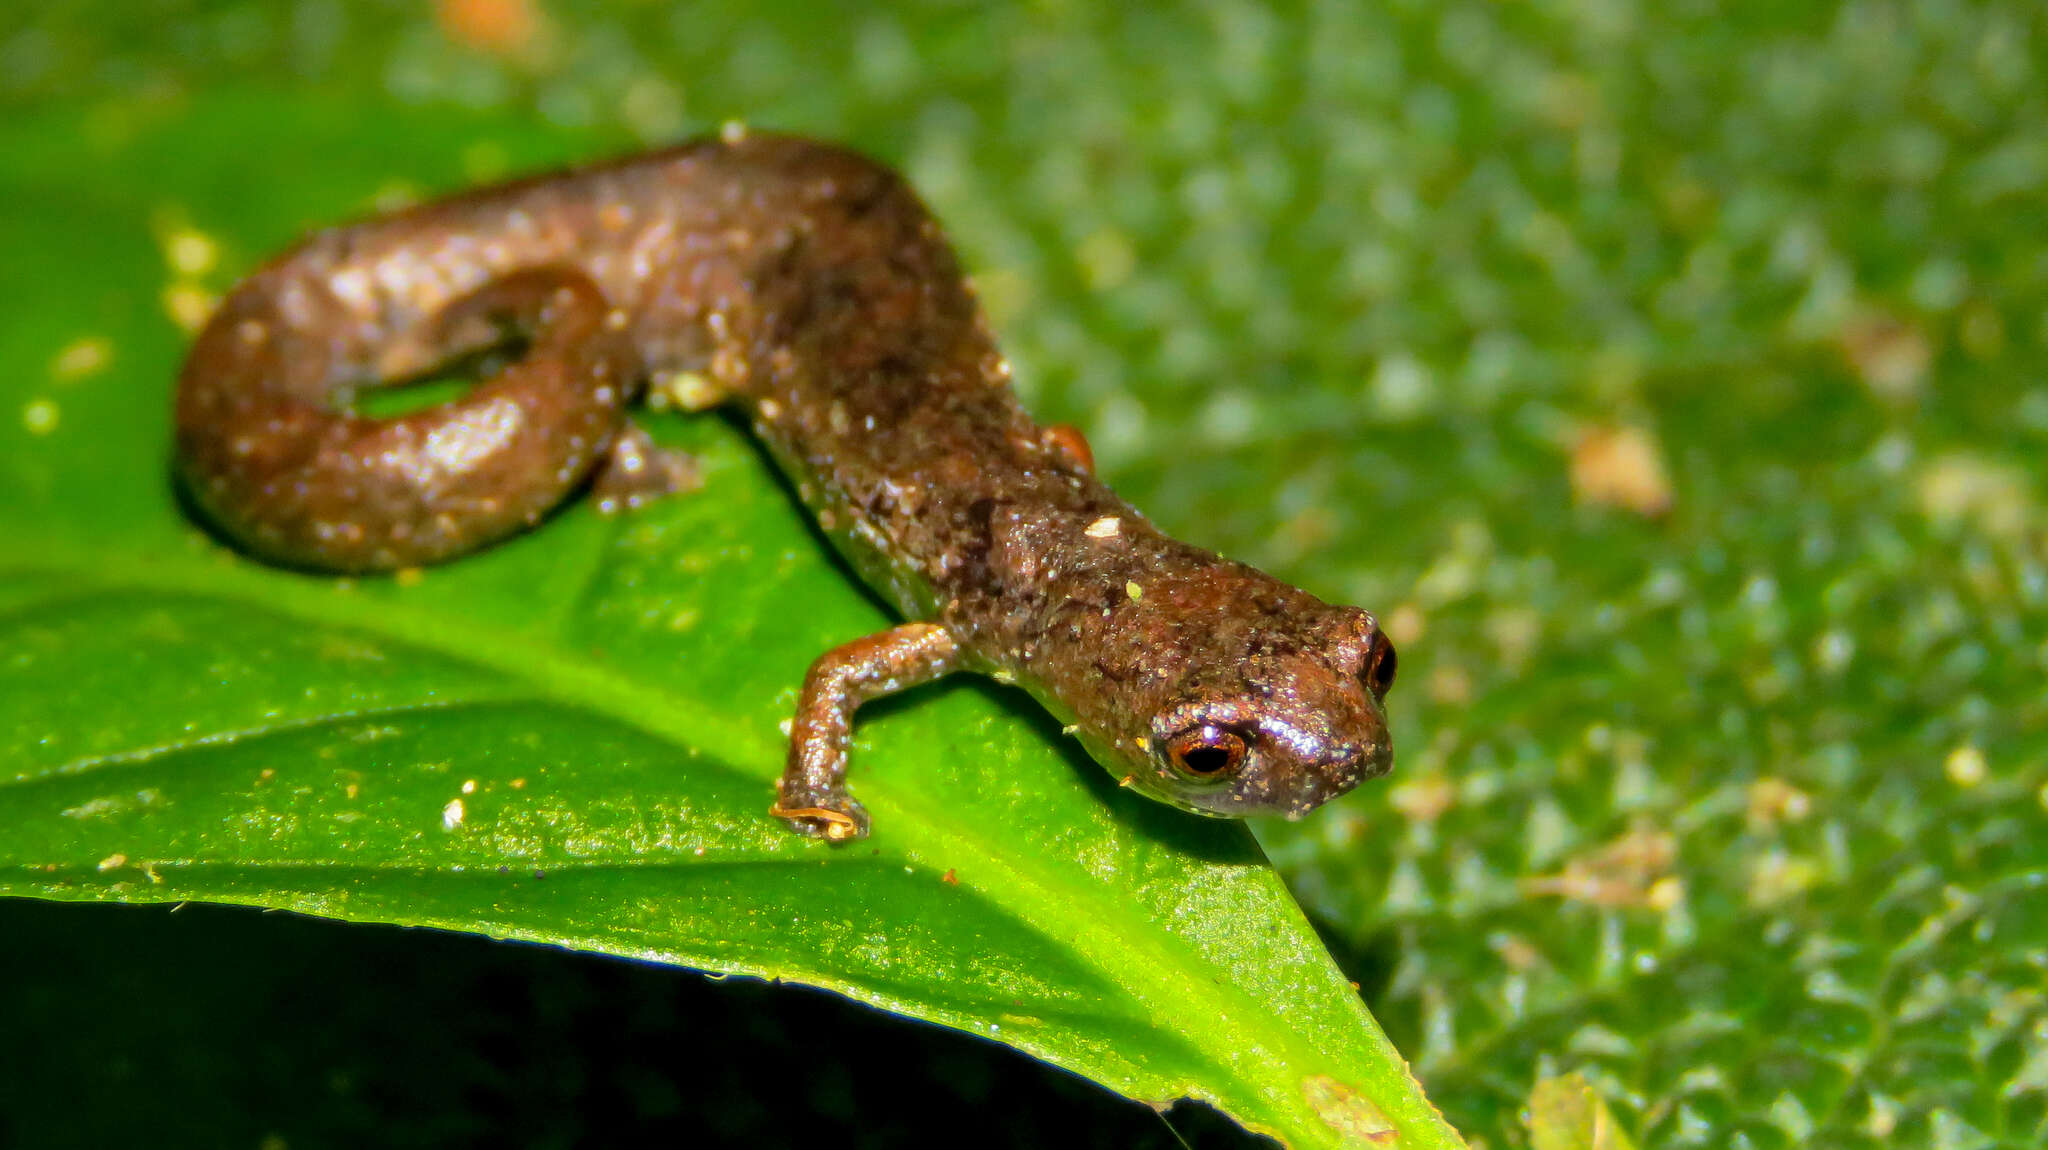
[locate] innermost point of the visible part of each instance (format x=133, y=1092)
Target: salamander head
x=1272, y=719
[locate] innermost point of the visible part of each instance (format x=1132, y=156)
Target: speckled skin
x=809, y=286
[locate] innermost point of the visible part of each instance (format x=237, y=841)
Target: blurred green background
x=1669, y=377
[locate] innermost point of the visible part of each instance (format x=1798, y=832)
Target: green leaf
x=570, y=738
x=1737, y=811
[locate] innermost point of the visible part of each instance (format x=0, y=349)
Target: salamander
x=808, y=287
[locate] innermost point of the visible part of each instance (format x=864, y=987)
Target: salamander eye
x=1207, y=752
x=1379, y=666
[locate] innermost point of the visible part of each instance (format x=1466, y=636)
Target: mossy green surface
x=1736, y=809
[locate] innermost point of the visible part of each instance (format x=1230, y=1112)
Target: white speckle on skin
x=1107, y=527
x=456, y=446
x=352, y=287
x=451, y=815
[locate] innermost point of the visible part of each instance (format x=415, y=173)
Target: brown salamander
x=807, y=285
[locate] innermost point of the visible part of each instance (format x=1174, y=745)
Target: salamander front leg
x=811, y=795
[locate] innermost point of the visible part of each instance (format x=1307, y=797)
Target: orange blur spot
x=1620, y=467
x=504, y=27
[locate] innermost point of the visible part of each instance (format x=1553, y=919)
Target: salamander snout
x=1289, y=731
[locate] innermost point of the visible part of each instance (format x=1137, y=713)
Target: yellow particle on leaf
x=191, y=252
x=188, y=305
x=1965, y=766
x=39, y=416
x=82, y=357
